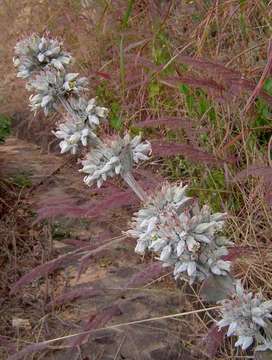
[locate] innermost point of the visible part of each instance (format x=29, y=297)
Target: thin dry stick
x=158, y=279
x=116, y=326
x=119, y=347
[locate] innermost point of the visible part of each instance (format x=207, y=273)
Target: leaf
x=127, y=14
x=184, y=89
x=5, y=127
x=216, y=288
x=213, y=340
x=115, y=120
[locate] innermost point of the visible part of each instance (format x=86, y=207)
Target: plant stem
x=134, y=185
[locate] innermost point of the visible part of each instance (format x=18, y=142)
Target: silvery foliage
x=145, y=220
x=72, y=133
x=35, y=53
x=88, y=111
x=114, y=157
x=187, y=239
x=191, y=243
x=51, y=87
x=80, y=124
x=246, y=315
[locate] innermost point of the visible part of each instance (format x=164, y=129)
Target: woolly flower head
x=73, y=132
x=35, y=53
x=52, y=86
x=88, y=111
x=191, y=244
x=145, y=220
x=114, y=157
x=245, y=315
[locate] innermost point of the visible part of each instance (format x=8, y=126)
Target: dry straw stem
x=135, y=322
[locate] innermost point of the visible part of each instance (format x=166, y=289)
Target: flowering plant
x=246, y=316
x=53, y=87
x=36, y=53
x=186, y=239
x=180, y=234
x=114, y=157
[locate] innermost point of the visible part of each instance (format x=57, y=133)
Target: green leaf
x=184, y=89
x=128, y=13
x=115, y=119
x=21, y=180
x=190, y=101
x=268, y=86
x=116, y=122
x=5, y=123
x=216, y=288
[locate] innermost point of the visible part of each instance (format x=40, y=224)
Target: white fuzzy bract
x=146, y=219
x=114, y=157
x=191, y=244
x=88, y=111
x=35, y=53
x=245, y=315
x=73, y=133
x=52, y=86
x=187, y=239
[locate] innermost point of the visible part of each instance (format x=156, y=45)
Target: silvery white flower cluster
x=187, y=239
x=88, y=111
x=189, y=244
x=36, y=53
x=72, y=134
x=196, y=247
x=146, y=219
x=114, y=157
x=80, y=126
x=52, y=86
x=246, y=315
